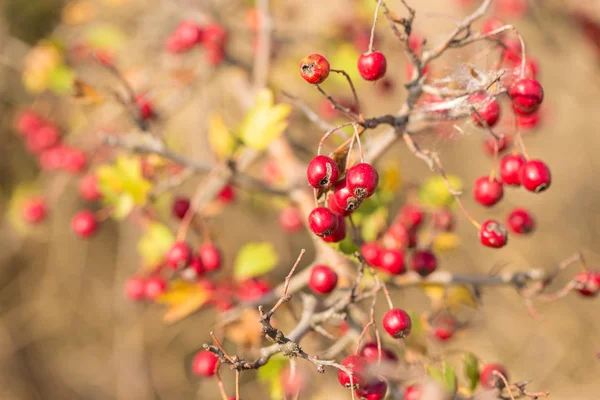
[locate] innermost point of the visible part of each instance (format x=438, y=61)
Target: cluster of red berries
x=213, y=37
x=315, y=68
x=43, y=140
x=345, y=195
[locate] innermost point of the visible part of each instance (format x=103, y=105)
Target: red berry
x=88, y=188
x=444, y=328
x=210, y=256
x=413, y=392
x=290, y=219
x=357, y=365
x=227, y=194
x=510, y=169
x=322, y=221
x=487, y=107
x=314, y=68
x=75, y=160
x=344, y=199
x=145, y=107
x=411, y=216
x=488, y=192
x=205, y=363
x=397, y=323
x=362, y=180
x=372, y=253
x=214, y=36
x=179, y=255
x=513, y=49
x=42, y=138
x=487, y=377
x=27, y=122
x=402, y=236
x=135, y=288
x=34, y=211
x=423, y=262
x=370, y=353
x=372, y=66
x=214, y=56
x=253, y=289
x=535, y=176
x=527, y=95
x=84, y=224
x=187, y=34
x=493, y=234
x=322, y=279
x=520, y=221
x=180, y=207
x=490, y=142
x=322, y=172
x=339, y=233
x=587, y=283
x=333, y=206
x=491, y=25
x=375, y=390
x=530, y=121
x=193, y=271
x=392, y=261
x=53, y=158
x=154, y=287
x=443, y=219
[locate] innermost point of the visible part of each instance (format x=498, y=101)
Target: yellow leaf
x=391, y=177
x=154, y=244
x=264, y=122
x=86, y=94
x=434, y=191
x=344, y=58
x=446, y=241
x=453, y=297
x=220, y=139
x=183, y=298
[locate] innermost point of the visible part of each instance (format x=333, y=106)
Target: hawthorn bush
x=302, y=140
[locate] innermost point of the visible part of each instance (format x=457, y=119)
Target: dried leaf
x=86, y=94
x=184, y=298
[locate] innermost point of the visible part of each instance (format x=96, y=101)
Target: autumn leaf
x=220, y=139
x=254, y=259
x=445, y=241
x=435, y=192
x=85, y=93
x=271, y=373
x=154, y=244
x=264, y=122
x=183, y=298
x=453, y=297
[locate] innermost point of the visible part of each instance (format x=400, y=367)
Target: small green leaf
x=271, y=373
x=444, y=376
x=154, y=244
x=255, y=259
x=373, y=224
x=472, y=370
x=61, y=79
x=264, y=122
x=434, y=191
x=107, y=37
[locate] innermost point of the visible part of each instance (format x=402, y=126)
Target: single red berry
x=193, y=271
x=333, y=206
x=370, y=352
x=322, y=279
x=155, y=286
x=444, y=328
x=188, y=34
x=587, y=283
x=34, y=210
x=375, y=390
x=415, y=42
x=362, y=180
x=397, y=323
x=512, y=50
x=135, y=288
x=372, y=253
x=511, y=8
x=488, y=379
x=227, y=194
x=357, y=365
x=392, y=261
x=53, y=158
x=490, y=142
x=28, y=121
x=491, y=25
x=413, y=392
x=402, y=236
x=89, y=189
x=314, y=68
x=493, y=234
x=530, y=121
x=210, y=256
x=290, y=219
x=75, y=160
x=180, y=207
x=205, y=363
x=527, y=95
x=510, y=169
x=423, y=262
x=487, y=107
x=145, y=107
x=339, y=233
x=344, y=199
x=443, y=220
x=488, y=192
x=179, y=255
x=520, y=221
x=84, y=224
x=372, y=66
x=43, y=138
x=214, y=56
x=253, y=289
x=322, y=172
x=411, y=216
x=214, y=36
x=535, y=176
x=322, y=221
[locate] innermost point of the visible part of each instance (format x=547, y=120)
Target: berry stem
x=344, y=110
x=353, y=89
x=466, y=213
x=329, y=132
x=495, y=161
x=360, y=149
x=506, y=384
x=237, y=384
x=372, y=38
x=220, y=383
x=522, y=145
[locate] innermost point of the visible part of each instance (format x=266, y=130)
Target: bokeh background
x=67, y=331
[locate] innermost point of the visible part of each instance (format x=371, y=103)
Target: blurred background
x=68, y=332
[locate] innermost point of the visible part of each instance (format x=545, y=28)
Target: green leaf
x=107, y=37
x=472, y=370
x=434, y=191
x=264, y=122
x=444, y=376
x=61, y=79
x=220, y=139
x=373, y=224
x=154, y=244
x=254, y=259
x=271, y=373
